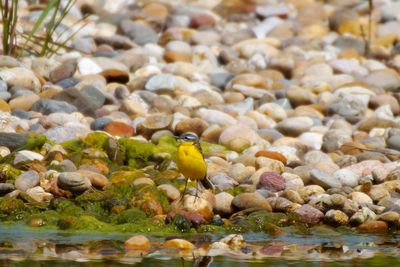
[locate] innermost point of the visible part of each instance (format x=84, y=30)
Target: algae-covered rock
x=135, y=153
x=9, y=205
x=90, y=223
x=8, y=172
x=94, y=203
x=119, y=177
x=150, y=199
x=67, y=207
x=97, y=140
x=132, y=215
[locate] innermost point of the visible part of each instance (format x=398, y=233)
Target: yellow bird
x=190, y=159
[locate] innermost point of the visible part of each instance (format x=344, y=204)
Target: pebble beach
x=296, y=104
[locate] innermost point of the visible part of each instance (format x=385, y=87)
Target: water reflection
x=23, y=246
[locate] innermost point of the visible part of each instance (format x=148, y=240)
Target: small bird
x=190, y=159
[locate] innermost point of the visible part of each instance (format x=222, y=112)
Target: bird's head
x=188, y=137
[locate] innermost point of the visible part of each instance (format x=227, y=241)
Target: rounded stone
x=27, y=180
x=138, y=242
x=195, y=125
x=360, y=198
x=294, y=126
x=223, y=203
x=171, y=191
x=272, y=182
x=117, y=128
x=97, y=180
x=346, y=177
x=251, y=200
x=309, y=214
x=336, y=218
x=74, y=182
x=324, y=179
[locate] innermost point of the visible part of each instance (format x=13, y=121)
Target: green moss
x=132, y=215
x=90, y=223
x=167, y=144
x=91, y=196
x=145, y=193
x=259, y=218
x=75, y=145
x=8, y=172
x=51, y=217
x=34, y=142
x=66, y=222
x=67, y=207
x=135, y=153
x=235, y=191
x=10, y=205
x=127, y=177
x=96, y=140
x=241, y=225
x=147, y=226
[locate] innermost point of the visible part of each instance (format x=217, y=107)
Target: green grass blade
x=39, y=22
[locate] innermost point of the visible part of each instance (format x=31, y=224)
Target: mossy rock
x=10, y=205
x=66, y=222
x=126, y=177
x=135, y=153
x=149, y=198
x=74, y=145
x=132, y=215
x=8, y=172
x=98, y=140
x=167, y=145
x=90, y=223
x=67, y=207
x=50, y=217
x=35, y=142
x=147, y=226
x=259, y=218
x=241, y=225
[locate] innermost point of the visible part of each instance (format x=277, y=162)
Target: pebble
x=27, y=180
x=251, y=200
x=294, y=126
x=308, y=214
x=170, y=190
x=74, y=182
x=272, y=182
x=360, y=198
x=97, y=180
x=138, y=242
x=26, y=155
x=223, y=203
x=48, y=106
x=324, y=179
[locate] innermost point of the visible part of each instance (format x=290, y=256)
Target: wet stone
x=48, y=106
x=27, y=180
x=74, y=182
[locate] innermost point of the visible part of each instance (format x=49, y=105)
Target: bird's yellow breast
x=190, y=161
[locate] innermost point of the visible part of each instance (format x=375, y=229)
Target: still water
x=25, y=246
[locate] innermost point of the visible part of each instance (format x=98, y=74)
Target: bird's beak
x=177, y=137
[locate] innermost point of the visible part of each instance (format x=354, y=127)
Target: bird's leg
x=197, y=191
x=184, y=190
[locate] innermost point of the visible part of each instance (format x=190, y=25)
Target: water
x=25, y=246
